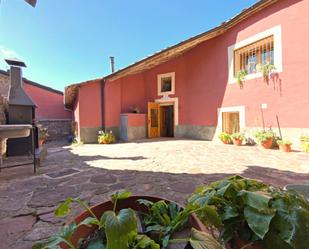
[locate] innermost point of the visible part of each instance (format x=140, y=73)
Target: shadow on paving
x=27, y=201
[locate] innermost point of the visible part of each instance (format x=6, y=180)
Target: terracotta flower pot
x=225, y=141
x=267, y=144
x=237, y=142
x=84, y=231
x=285, y=147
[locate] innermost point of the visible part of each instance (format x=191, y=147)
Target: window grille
x=250, y=57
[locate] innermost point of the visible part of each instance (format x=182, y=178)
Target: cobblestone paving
x=167, y=168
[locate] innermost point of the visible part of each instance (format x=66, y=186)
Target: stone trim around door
x=242, y=116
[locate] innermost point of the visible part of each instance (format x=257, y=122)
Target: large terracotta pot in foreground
x=131, y=202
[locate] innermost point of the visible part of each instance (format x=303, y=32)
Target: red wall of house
x=202, y=76
x=90, y=105
x=49, y=104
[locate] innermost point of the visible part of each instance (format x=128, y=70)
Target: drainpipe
x=102, y=88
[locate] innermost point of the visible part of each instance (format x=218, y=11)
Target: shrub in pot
x=304, y=140
x=265, y=138
x=225, y=137
x=43, y=134
x=106, y=137
x=250, y=214
x=284, y=145
x=238, y=138
x=129, y=222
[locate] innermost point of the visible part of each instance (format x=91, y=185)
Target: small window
x=166, y=84
x=248, y=58
x=230, y=122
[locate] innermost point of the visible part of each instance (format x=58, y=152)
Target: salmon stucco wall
x=88, y=111
x=49, y=104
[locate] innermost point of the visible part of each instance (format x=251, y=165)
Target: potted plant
x=246, y=213
x=106, y=137
x=241, y=76
x=225, y=137
x=267, y=70
x=284, y=145
x=238, y=138
x=304, y=140
x=129, y=222
x=136, y=109
x=265, y=138
x=43, y=134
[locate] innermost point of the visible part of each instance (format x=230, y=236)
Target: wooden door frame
x=170, y=102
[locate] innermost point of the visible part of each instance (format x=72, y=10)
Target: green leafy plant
x=200, y=240
x=62, y=237
x=120, y=228
x=241, y=77
x=225, y=137
x=117, y=226
x=106, y=137
x=284, y=142
x=267, y=69
x=254, y=212
x=263, y=136
x=164, y=218
x=238, y=136
x=305, y=143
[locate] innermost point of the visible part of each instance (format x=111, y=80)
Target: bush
x=106, y=137
x=254, y=212
x=262, y=136
x=284, y=142
x=305, y=143
x=225, y=137
x=238, y=136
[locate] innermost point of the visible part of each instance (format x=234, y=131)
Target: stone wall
x=58, y=129
x=4, y=85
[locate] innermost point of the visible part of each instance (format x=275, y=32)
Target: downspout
x=102, y=88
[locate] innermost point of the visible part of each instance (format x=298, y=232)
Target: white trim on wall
x=242, y=115
x=170, y=101
x=276, y=32
x=165, y=75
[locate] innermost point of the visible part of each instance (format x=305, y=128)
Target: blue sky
x=70, y=41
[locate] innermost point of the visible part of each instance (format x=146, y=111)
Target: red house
x=248, y=73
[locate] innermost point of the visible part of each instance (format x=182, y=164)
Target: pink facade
x=49, y=102
x=202, y=84
x=87, y=110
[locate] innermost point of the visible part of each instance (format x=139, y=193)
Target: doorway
x=167, y=121
x=160, y=120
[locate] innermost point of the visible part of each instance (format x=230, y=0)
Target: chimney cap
x=15, y=62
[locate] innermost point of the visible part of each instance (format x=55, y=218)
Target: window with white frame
x=250, y=57
x=166, y=84
x=251, y=54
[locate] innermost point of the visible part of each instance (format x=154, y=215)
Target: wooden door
x=153, y=120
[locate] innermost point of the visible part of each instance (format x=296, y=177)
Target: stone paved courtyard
x=167, y=168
